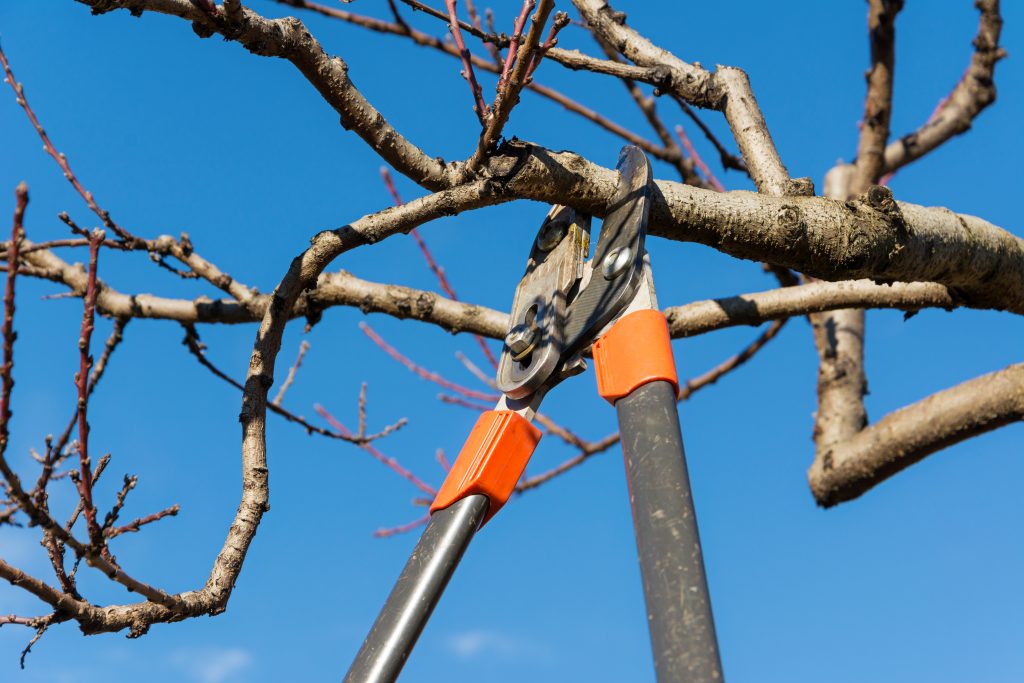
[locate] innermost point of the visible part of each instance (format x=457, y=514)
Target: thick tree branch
x=839, y=336
x=756, y=308
x=906, y=436
x=867, y=237
x=874, y=132
x=871, y=236
x=727, y=90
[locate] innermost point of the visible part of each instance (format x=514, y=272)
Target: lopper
x=563, y=306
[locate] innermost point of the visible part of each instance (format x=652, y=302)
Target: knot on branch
x=800, y=187
x=881, y=199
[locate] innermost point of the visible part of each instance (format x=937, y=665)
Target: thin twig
x=198, y=349
x=55, y=452
x=402, y=528
x=60, y=158
x=708, y=378
x=136, y=524
x=513, y=45
x=443, y=461
x=509, y=90
x=436, y=269
x=82, y=384
x=392, y=463
x=727, y=158
x=692, y=151
x=423, y=372
x=6, y=374
x=292, y=371
x=479, y=106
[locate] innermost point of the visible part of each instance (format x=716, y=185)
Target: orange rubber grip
x=635, y=351
x=491, y=461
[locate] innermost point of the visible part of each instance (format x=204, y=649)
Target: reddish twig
x=513, y=46
x=6, y=374
x=475, y=371
x=463, y=403
x=60, y=158
x=198, y=349
x=55, y=449
x=435, y=268
x=479, y=106
x=82, y=384
x=443, y=461
x=292, y=371
x=595, y=448
x=692, y=151
x=714, y=374
x=134, y=525
x=403, y=528
x=474, y=17
x=727, y=159
x=393, y=464
x=423, y=372
x=560, y=21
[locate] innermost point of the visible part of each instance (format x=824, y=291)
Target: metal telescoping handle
x=675, y=586
x=414, y=597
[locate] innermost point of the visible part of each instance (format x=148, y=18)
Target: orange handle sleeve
x=635, y=351
x=491, y=461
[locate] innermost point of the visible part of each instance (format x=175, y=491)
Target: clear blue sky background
x=919, y=580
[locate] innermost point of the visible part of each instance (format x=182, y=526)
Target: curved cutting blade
x=617, y=266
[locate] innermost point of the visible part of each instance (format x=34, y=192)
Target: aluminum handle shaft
x=671, y=564
x=417, y=591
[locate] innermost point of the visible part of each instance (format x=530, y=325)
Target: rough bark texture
x=906, y=436
x=862, y=248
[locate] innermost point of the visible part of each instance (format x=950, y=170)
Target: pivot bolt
x=520, y=340
x=551, y=234
x=615, y=262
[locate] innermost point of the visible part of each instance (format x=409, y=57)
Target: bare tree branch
x=908, y=435
x=973, y=93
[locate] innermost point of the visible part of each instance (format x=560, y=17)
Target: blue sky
x=917, y=580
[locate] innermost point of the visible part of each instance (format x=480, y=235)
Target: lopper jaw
x=564, y=302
